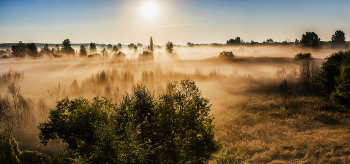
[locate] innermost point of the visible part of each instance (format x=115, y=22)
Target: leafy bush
x=226, y=55
x=342, y=90
x=175, y=128
x=331, y=70
x=303, y=56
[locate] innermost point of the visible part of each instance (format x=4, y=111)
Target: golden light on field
x=149, y=10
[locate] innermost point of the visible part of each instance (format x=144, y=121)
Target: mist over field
x=163, y=81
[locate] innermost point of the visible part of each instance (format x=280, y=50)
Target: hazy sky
x=179, y=21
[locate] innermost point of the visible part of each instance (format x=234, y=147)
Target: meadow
x=253, y=120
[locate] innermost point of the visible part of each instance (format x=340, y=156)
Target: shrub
x=175, y=128
x=226, y=55
x=330, y=70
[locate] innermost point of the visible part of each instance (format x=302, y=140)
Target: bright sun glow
x=149, y=10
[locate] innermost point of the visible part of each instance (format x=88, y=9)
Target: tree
x=338, y=39
x=131, y=46
x=19, y=50
x=109, y=47
x=45, y=50
x=269, y=41
x=341, y=94
x=58, y=49
x=310, y=40
x=119, y=45
x=151, y=45
x=169, y=47
x=67, y=47
x=32, y=50
x=93, y=47
x=115, y=49
x=331, y=69
x=82, y=51
x=226, y=55
x=296, y=43
x=175, y=127
x=237, y=40
x=189, y=44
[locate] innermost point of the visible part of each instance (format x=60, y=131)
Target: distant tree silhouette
x=310, y=40
x=269, y=41
x=115, y=49
x=169, y=47
x=82, y=51
x=303, y=56
x=338, y=39
x=296, y=43
x=135, y=48
x=119, y=45
x=109, y=47
x=93, y=47
x=131, y=45
x=237, y=40
x=67, y=47
x=252, y=42
x=226, y=55
x=19, y=50
x=104, y=53
x=32, y=50
x=58, y=49
x=189, y=44
x=151, y=45
x=45, y=50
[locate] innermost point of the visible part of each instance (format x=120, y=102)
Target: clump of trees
x=310, y=40
x=169, y=47
x=226, y=55
x=237, y=40
x=19, y=50
x=338, y=39
x=67, y=48
x=175, y=127
x=93, y=48
x=334, y=77
x=82, y=51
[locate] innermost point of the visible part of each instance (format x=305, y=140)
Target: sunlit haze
x=179, y=21
x=149, y=10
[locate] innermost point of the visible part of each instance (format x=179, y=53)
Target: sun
x=149, y=10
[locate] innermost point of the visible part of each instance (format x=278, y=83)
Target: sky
x=178, y=21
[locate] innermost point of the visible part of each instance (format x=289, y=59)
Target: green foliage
x=310, y=40
x=82, y=51
x=75, y=122
x=342, y=90
x=9, y=151
x=67, y=47
x=169, y=47
x=330, y=70
x=19, y=50
x=338, y=39
x=175, y=128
